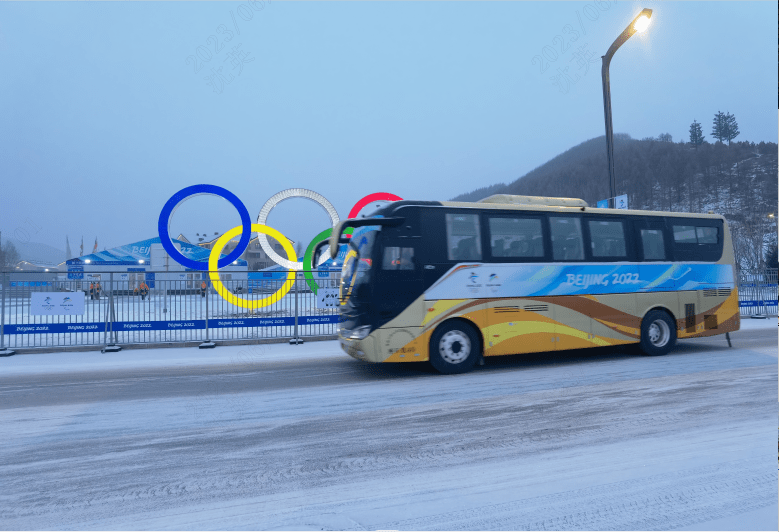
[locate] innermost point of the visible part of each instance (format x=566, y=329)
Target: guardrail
x=159, y=307
x=758, y=292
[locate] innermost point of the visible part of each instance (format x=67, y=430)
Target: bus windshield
x=358, y=261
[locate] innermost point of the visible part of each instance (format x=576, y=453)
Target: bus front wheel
x=658, y=333
x=454, y=347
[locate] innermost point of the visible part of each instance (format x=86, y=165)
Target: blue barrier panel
x=215, y=323
x=759, y=303
x=119, y=326
x=158, y=325
x=49, y=328
x=309, y=320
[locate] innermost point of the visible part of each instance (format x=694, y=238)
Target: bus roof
x=392, y=207
x=512, y=199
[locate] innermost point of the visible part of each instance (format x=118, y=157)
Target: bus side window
x=516, y=237
x=701, y=240
x=463, y=237
x=567, y=241
x=685, y=234
x=607, y=238
x=397, y=258
x=652, y=244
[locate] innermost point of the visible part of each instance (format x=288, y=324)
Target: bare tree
x=9, y=256
x=749, y=243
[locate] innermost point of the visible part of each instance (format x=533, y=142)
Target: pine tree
x=696, y=134
x=731, y=127
x=718, y=128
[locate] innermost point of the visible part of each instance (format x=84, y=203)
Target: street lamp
x=638, y=24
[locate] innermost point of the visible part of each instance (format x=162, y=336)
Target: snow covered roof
x=137, y=251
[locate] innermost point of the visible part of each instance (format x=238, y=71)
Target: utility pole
x=638, y=24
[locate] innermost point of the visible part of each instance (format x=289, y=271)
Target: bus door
x=398, y=273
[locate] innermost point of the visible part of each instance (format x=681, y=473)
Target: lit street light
x=637, y=25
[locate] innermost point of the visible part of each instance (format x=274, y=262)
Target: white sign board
x=327, y=298
x=56, y=303
x=621, y=201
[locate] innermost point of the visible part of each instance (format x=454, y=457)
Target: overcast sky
x=103, y=117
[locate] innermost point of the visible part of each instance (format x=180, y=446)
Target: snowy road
x=303, y=437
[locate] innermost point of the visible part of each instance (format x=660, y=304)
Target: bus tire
x=454, y=347
x=658, y=333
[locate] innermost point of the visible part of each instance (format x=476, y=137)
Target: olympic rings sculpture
x=245, y=230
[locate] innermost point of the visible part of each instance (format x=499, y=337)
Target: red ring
x=376, y=196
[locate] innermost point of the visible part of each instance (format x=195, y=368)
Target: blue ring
x=181, y=195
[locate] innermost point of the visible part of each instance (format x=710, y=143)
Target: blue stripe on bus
x=551, y=279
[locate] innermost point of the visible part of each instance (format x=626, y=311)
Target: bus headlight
x=360, y=332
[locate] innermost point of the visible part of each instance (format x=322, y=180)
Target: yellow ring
x=216, y=251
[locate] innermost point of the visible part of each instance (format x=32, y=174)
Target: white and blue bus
x=451, y=282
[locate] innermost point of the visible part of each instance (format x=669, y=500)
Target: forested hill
x=737, y=180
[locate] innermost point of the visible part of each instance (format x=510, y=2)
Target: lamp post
x=638, y=24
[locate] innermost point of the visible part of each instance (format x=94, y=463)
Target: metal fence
x=173, y=310
x=177, y=310
x=758, y=292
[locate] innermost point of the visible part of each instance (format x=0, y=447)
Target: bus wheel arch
x=455, y=346
x=658, y=331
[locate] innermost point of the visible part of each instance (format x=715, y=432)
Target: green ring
x=308, y=257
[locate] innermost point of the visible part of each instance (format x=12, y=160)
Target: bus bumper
x=361, y=349
x=352, y=348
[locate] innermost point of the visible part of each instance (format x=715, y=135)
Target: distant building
x=148, y=261
x=255, y=256
x=31, y=266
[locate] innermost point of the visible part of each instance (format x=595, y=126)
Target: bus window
x=689, y=234
x=397, y=258
x=685, y=234
x=653, y=245
x=607, y=238
x=463, y=237
x=699, y=242
x=516, y=237
x=706, y=235
x=566, y=238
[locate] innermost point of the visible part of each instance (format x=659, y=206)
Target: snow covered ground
x=304, y=438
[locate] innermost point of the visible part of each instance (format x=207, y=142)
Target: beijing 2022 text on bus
x=450, y=282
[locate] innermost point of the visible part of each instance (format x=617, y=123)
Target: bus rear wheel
x=658, y=333
x=454, y=348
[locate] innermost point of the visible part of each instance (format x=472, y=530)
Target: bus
x=452, y=282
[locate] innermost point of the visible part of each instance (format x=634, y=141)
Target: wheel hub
x=454, y=347
x=659, y=333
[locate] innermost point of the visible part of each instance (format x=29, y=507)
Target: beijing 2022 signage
x=245, y=230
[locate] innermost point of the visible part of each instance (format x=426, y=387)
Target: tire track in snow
x=655, y=503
